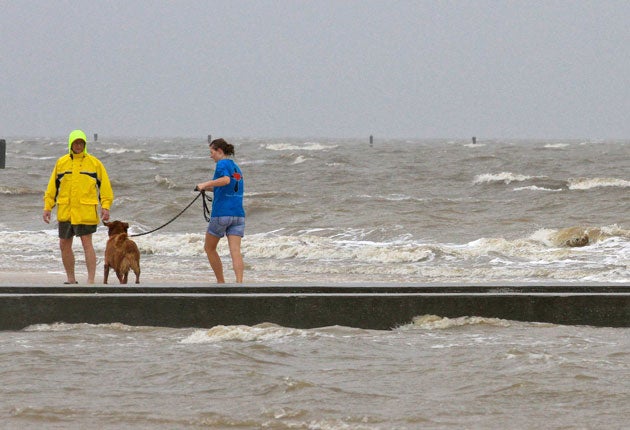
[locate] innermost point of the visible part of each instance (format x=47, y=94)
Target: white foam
x=252, y=162
x=175, y=245
x=168, y=157
x=544, y=236
x=121, y=151
x=31, y=157
x=399, y=197
x=311, y=247
x=65, y=327
x=241, y=333
x=590, y=183
x=556, y=145
x=432, y=322
x=338, y=255
x=505, y=177
x=162, y=180
x=17, y=190
x=535, y=188
x=307, y=146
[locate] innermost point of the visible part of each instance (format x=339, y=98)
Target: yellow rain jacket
x=77, y=184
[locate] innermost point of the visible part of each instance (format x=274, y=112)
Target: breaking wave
x=504, y=177
x=590, y=183
x=242, y=333
x=433, y=322
x=307, y=146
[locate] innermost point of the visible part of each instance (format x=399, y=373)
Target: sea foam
x=589, y=183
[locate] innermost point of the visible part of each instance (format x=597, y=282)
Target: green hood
x=76, y=135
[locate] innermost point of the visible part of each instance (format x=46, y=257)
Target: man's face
x=78, y=146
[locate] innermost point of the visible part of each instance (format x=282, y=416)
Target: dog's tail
x=129, y=263
x=125, y=265
x=132, y=258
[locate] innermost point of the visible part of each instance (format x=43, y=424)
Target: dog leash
x=206, y=212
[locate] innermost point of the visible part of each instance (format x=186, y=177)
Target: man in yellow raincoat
x=77, y=185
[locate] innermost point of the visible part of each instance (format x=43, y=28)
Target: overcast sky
x=339, y=68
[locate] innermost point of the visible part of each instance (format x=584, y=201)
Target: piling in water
x=3, y=152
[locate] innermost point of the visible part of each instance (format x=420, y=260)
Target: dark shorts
x=67, y=230
x=231, y=225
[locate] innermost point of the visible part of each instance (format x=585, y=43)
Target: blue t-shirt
x=228, y=200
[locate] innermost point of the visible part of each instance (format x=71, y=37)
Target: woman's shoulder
x=227, y=163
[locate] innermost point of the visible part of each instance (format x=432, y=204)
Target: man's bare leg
x=67, y=256
x=90, y=256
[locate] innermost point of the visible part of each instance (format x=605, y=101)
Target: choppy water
x=339, y=210
x=335, y=211
x=434, y=373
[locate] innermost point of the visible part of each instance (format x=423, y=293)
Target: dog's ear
x=126, y=225
x=106, y=224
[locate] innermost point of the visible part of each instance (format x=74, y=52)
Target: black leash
x=206, y=212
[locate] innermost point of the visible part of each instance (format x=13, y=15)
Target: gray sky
x=339, y=68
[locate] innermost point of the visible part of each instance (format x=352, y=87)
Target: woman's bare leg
x=210, y=246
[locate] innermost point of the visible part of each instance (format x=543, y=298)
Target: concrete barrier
x=373, y=306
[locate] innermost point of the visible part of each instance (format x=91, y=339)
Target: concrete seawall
x=372, y=306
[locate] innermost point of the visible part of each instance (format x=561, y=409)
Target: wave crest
x=18, y=191
x=432, y=322
x=577, y=236
x=162, y=180
x=505, y=177
x=308, y=146
x=590, y=183
x=242, y=333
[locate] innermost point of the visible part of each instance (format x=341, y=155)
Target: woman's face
x=216, y=154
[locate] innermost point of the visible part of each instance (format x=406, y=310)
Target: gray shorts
x=231, y=225
x=67, y=230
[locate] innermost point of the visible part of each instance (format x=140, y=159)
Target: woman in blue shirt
x=228, y=216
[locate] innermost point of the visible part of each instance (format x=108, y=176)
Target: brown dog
x=121, y=253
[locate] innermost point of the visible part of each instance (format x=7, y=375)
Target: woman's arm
x=219, y=182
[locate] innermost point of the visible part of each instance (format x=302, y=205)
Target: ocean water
x=434, y=373
x=329, y=211
x=342, y=210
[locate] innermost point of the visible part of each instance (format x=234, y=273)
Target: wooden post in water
x=3, y=152
x=209, y=138
x=371, y=140
x=95, y=137
x=474, y=140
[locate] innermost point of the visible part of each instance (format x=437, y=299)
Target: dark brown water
x=434, y=373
